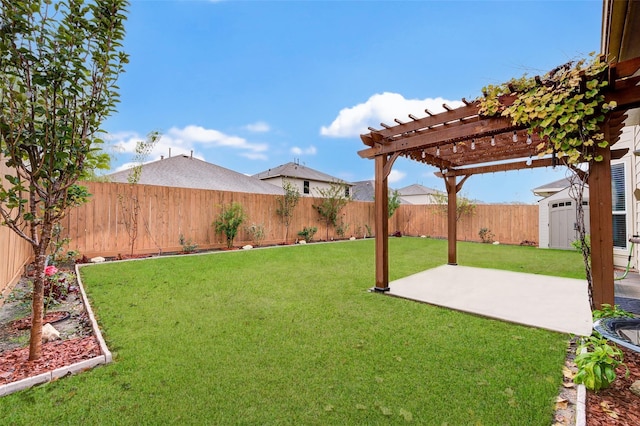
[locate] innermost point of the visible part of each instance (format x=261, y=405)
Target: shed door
x=562, y=223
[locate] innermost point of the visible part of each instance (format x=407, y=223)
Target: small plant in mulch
x=57, y=286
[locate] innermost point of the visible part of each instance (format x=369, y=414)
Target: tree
x=332, y=200
x=464, y=206
x=59, y=62
x=393, y=202
x=286, y=205
x=130, y=206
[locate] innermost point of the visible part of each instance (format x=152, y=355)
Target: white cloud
x=396, y=176
x=258, y=127
x=311, y=150
x=381, y=108
x=184, y=141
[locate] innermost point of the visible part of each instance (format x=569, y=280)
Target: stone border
x=581, y=402
x=75, y=368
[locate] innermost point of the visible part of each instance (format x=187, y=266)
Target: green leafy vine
x=565, y=108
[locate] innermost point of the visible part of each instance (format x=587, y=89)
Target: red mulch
x=617, y=405
x=14, y=365
x=25, y=323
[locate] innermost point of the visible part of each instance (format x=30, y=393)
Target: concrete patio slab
x=552, y=303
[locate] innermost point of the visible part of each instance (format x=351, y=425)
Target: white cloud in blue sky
x=381, y=108
x=258, y=127
x=185, y=141
x=396, y=176
x=310, y=150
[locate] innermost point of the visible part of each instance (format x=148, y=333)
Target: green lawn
x=292, y=336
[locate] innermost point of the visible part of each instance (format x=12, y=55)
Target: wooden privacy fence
x=15, y=252
x=100, y=227
x=509, y=223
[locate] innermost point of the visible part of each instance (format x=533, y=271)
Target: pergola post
x=600, y=212
x=452, y=234
x=382, y=224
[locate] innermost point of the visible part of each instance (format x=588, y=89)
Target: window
x=618, y=200
x=346, y=191
x=306, y=187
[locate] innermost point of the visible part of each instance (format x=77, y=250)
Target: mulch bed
x=14, y=365
x=617, y=405
x=25, y=323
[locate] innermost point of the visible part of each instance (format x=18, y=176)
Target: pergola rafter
x=460, y=142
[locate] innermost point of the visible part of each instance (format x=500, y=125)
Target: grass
x=292, y=336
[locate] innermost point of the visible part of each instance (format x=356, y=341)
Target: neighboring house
x=557, y=209
x=419, y=194
x=364, y=190
x=308, y=181
x=184, y=171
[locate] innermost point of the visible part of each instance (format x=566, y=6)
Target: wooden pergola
x=461, y=143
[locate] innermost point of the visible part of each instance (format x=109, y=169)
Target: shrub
x=229, y=221
x=342, y=228
x=257, y=233
x=188, y=246
x=486, y=235
x=307, y=233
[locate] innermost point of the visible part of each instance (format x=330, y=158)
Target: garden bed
x=69, y=317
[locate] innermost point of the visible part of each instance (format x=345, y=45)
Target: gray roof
x=417, y=189
x=184, y=171
x=557, y=185
x=298, y=171
x=363, y=190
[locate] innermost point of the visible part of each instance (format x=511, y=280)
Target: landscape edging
x=74, y=368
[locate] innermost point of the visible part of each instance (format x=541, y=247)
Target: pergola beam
x=518, y=165
x=439, y=136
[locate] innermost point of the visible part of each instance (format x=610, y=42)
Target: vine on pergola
x=565, y=108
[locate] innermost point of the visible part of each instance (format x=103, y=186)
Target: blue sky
x=250, y=85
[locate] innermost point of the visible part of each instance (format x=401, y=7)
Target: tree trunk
x=37, y=308
x=37, y=300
